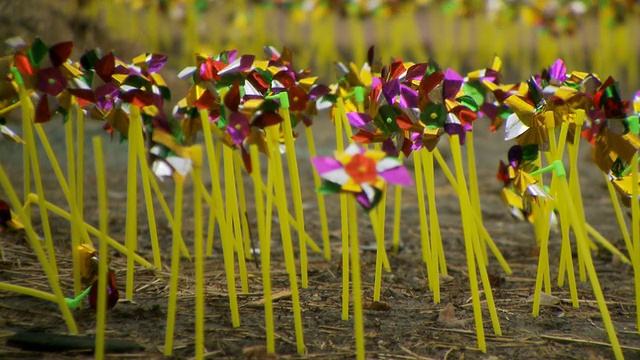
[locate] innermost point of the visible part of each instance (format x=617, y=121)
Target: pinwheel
x=520, y=188
x=527, y=123
x=89, y=271
x=479, y=85
x=46, y=71
x=7, y=133
x=443, y=103
x=363, y=173
x=7, y=220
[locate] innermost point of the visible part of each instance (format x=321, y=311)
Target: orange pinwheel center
x=361, y=169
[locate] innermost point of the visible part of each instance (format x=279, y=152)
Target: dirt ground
x=408, y=329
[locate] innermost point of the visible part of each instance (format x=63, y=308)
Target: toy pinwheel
x=7, y=133
x=7, y=220
x=527, y=123
x=443, y=104
x=364, y=173
x=46, y=71
x=479, y=84
x=520, y=188
x=89, y=271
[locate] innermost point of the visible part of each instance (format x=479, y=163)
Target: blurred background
x=591, y=36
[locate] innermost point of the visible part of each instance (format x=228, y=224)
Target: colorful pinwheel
x=364, y=173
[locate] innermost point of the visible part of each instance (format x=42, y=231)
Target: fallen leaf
x=545, y=299
x=447, y=316
x=378, y=306
x=275, y=297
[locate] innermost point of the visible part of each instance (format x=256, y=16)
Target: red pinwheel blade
x=59, y=53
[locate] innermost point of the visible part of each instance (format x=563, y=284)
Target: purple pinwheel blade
x=325, y=164
x=359, y=120
x=398, y=176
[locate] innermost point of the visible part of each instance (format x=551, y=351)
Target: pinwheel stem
x=468, y=229
x=635, y=227
x=272, y=134
x=474, y=192
x=265, y=250
x=232, y=214
x=225, y=234
x=242, y=200
x=146, y=177
x=175, y=266
x=358, y=320
x=324, y=223
x=437, y=252
x=198, y=244
x=397, y=206
x=34, y=199
x=131, y=230
x=217, y=151
x=424, y=230
x=52, y=277
x=542, y=275
x=30, y=150
x=344, y=215
x=101, y=307
x=294, y=178
x=80, y=159
x=167, y=212
x=28, y=292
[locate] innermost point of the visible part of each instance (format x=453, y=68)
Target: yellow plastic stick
x=591, y=271
x=619, y=217
x=27, y=291
x=217, y=150
x=285, y=231
x=167, y=213
x=61, y=179
x=15, y=105
x=468, y=228
x=80, y=160
x=294, y=178
x=232, y=214
x=244, y=221
x=28, y=113
x=542, y=274
x=35, y=164
x=437, y=251
x=424, y=227
x=73, y=205
x=33, y=198
x=605, y=243
x=145, y=173
x=131, y=230
x=397, y=205
x=40, y=254
x=344, y=216
x=324, y=224
x=474, y=192
x=198, y=251
x=480, y=227
x=358, y=320
x=227, y=240
x=635, y=229
x=175, y=267
x=103, y=250
x=265, y=250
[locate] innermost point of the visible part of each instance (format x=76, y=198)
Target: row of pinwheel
x=245, y=106
x=577, y=104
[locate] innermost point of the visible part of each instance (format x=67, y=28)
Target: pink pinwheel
x=361, y=172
